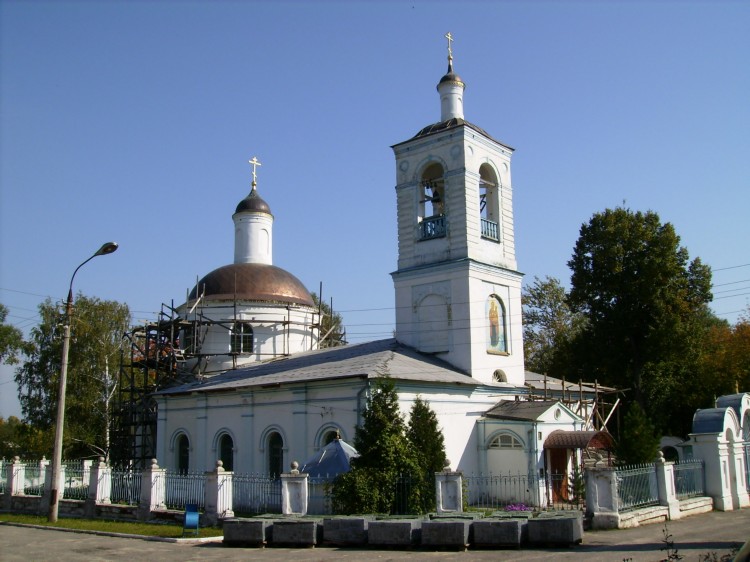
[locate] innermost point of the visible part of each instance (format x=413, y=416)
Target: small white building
x=458, y=341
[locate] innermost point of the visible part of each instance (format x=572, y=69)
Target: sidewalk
x=694, y=537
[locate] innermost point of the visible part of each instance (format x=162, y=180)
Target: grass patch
x=126, y=527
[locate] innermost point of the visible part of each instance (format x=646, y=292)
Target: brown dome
x=252, y=282
x=253, y=203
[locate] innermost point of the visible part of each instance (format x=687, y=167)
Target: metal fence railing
x=689, y=479
x=319, y=495
x=498, y=491
x=181, y=488
x=33, y=481
x=255, y=493
x=126, y=487
x=76, y=485
x=636, y=486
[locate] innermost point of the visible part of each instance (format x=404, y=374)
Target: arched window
x=505, y=441
x=330, y=436
x=242, y=338
x=183, y=453
x=432, y=203
x=226, y=451
x=489, y=203
x=275, y=454
x=497, y=336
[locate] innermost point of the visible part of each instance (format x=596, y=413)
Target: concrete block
x=559, y=530
x=349, y=531
x=442, y=533
x=294, y=533
x=404, y=532
x=501, y=533
x=245, y=532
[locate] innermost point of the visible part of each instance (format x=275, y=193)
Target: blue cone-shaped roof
x=331, y=460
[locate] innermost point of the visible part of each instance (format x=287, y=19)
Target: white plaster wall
x=253, y=238
x=469, y=287
x=271, y=337
x=302, y=413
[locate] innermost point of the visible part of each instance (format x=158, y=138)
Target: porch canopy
x=561, y=439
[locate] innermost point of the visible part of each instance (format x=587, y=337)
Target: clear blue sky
x=134, y=121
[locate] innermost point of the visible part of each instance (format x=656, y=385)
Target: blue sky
x=134, y=121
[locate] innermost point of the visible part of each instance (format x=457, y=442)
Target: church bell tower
x=458, y=290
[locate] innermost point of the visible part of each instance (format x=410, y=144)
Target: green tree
x=638, y=441
x=96, y=329
x=11, y=340
x=549, y=326
x=10, y=438
x=645, y=303
x=332, y=331
x=428, y=444
x=376, y=483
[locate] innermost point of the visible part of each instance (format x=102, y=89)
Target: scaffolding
x=169, y=352
x=150, y=361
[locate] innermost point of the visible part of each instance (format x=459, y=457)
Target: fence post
x=601, y=498
x=44, y=503
x=153, y=490
x=740, y=492
x=218, y=495
x=665, y=487
x=17, y=480
x=449, y=491
x=100, y=486
x=14, y=479
x=43, y=464
x=86, y=470
x=294, y=493
x=713, y=451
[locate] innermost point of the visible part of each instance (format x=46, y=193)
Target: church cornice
x=449, y=126
x=457, y=264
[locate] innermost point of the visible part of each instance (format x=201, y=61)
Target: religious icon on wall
x=495, y=312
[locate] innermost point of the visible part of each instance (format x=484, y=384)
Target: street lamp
x=107, y=248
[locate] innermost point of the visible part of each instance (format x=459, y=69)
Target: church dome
x=253, y=203
x=451, y=77
x=253, y=282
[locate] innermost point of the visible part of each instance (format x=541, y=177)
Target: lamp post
x=107, y=248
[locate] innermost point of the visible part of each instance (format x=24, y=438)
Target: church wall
x=511, y=361
x=271, y=336
x=458, y=410
x=301, y=414
x=467, y=341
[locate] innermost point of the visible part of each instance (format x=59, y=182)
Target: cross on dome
x=254, y=163
x=449, y=37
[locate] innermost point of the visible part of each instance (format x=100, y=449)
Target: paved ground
x=694, y=537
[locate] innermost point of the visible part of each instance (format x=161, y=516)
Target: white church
x=266, y=394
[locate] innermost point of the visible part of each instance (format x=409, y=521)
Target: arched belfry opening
x=432, y=202
x=489, y=202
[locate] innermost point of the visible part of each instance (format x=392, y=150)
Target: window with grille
x=242, y=338
x=506, y=441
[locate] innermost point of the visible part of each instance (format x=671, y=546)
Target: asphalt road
x=694, y=538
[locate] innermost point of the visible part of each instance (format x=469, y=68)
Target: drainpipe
x=535, y=467
x=365, y=389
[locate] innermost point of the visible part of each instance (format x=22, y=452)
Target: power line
x=730, y=267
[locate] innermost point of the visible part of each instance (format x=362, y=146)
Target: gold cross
x=254, y=163
x=449, y=37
